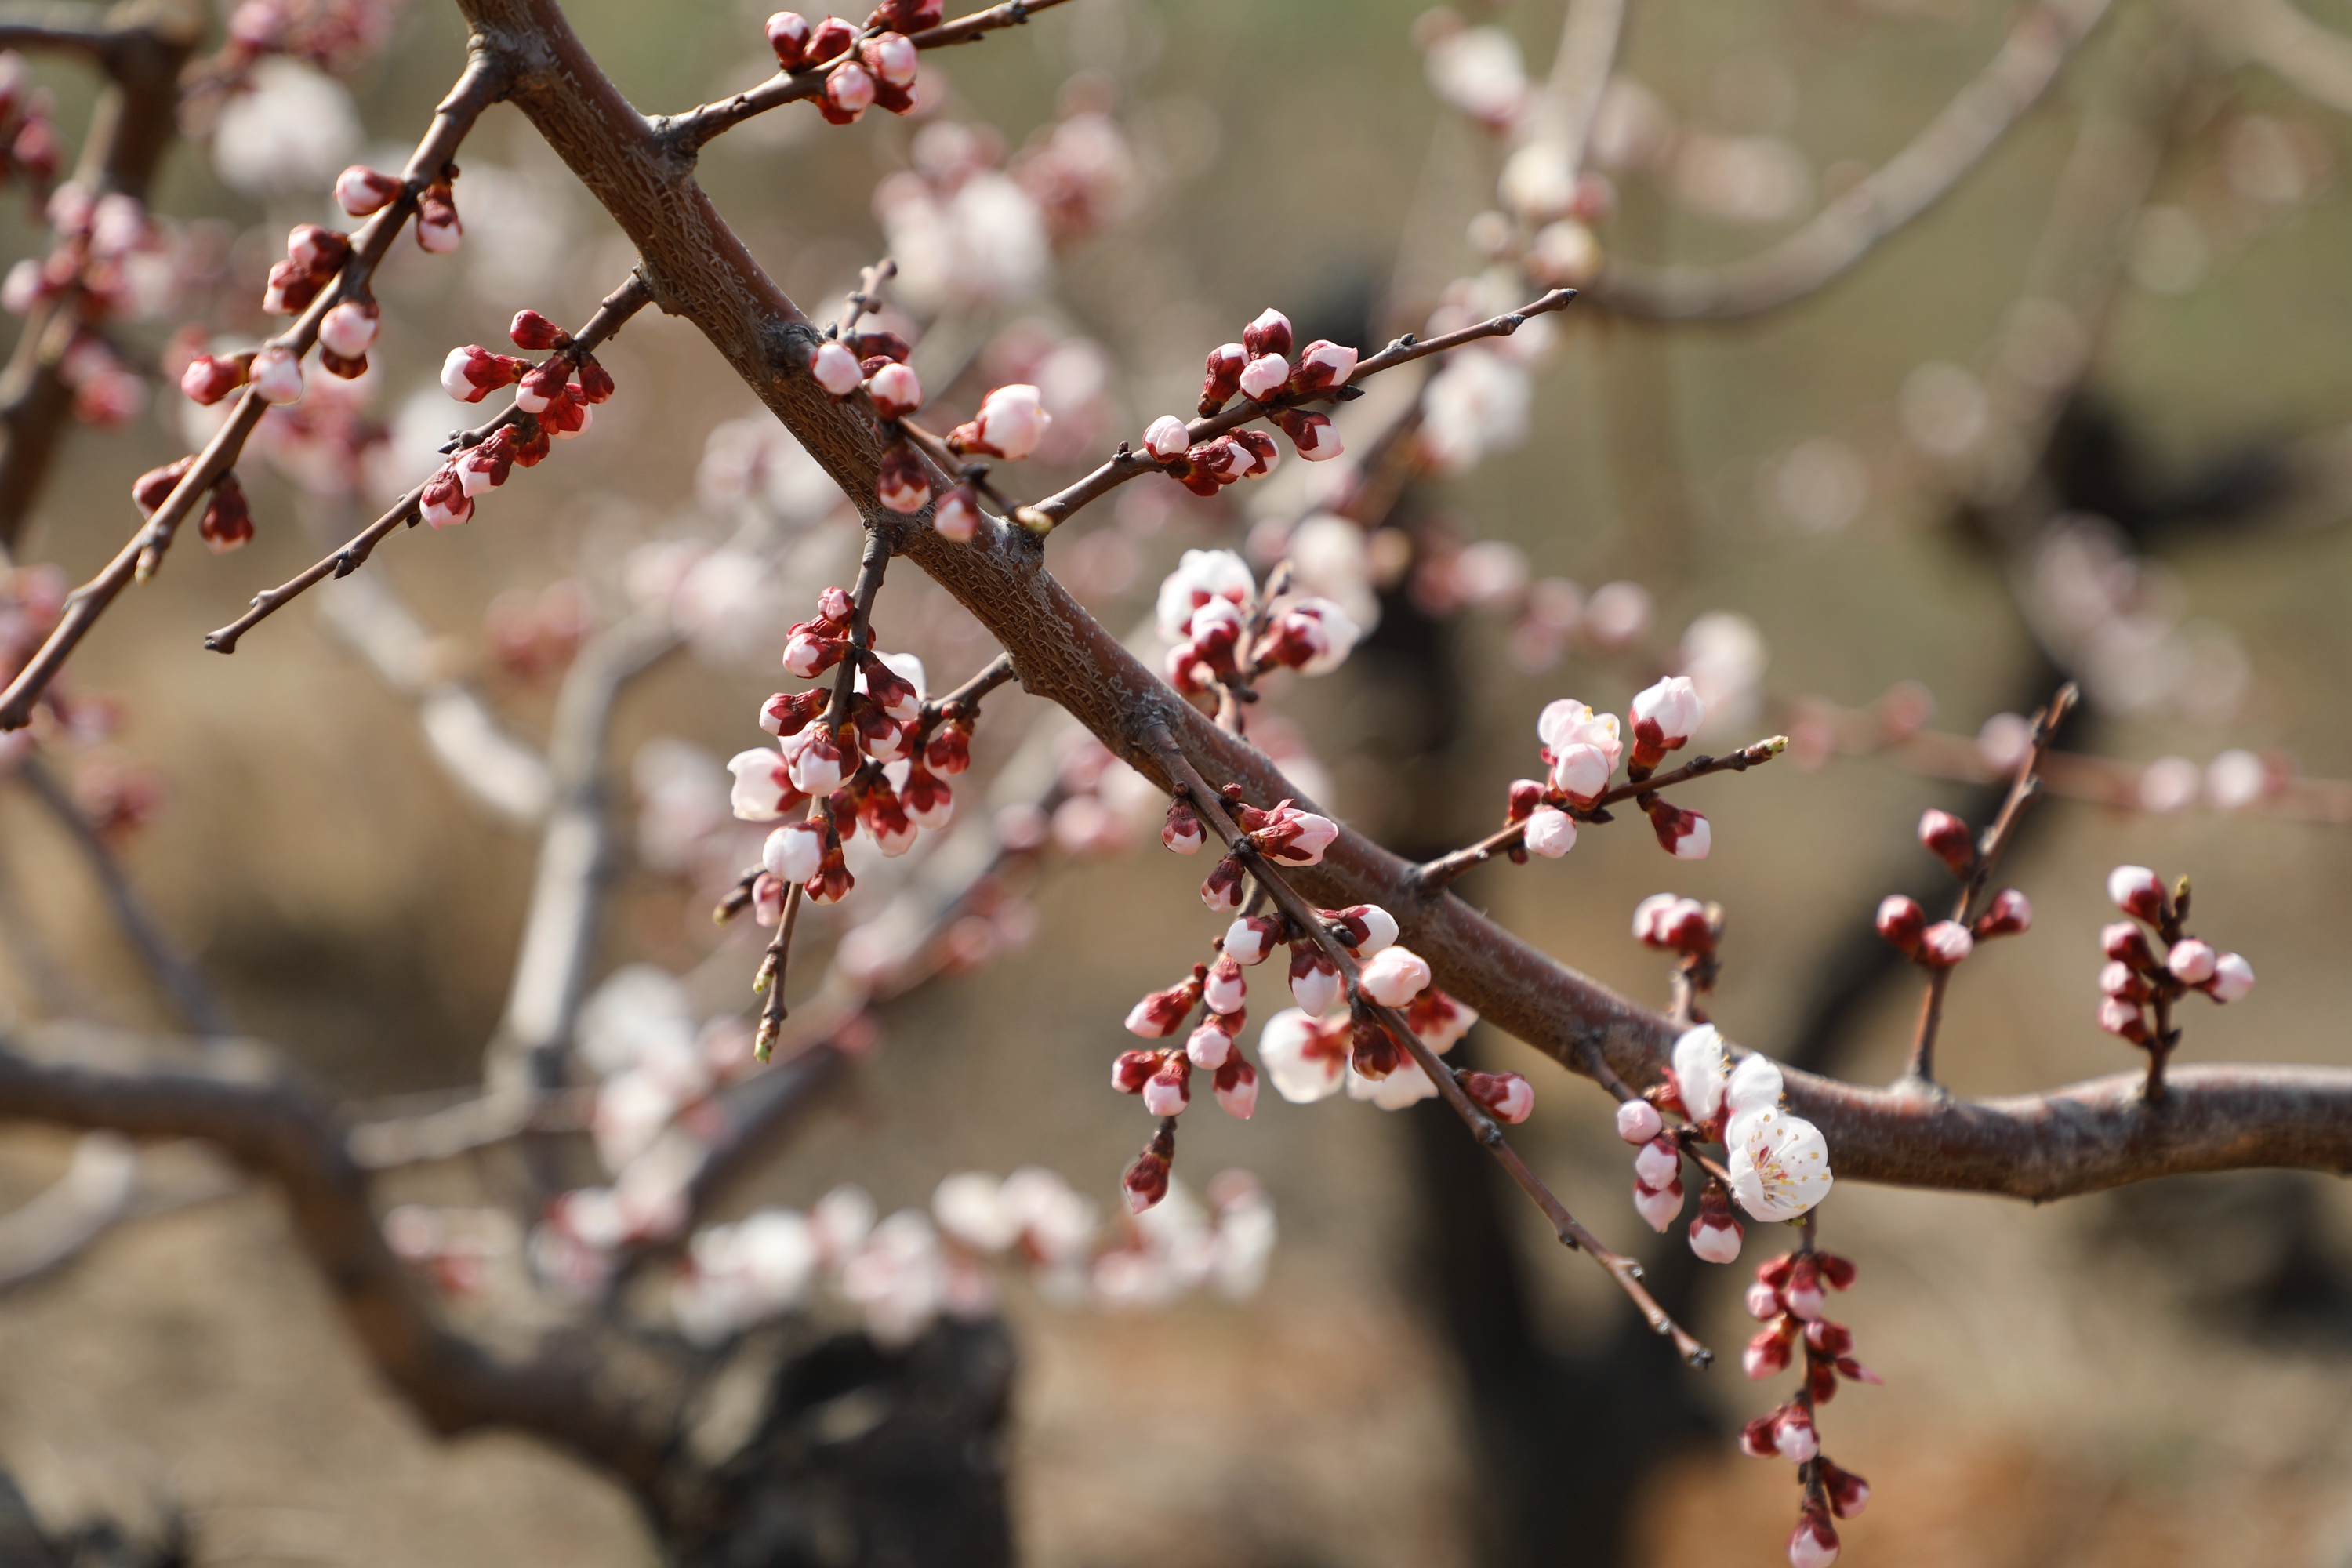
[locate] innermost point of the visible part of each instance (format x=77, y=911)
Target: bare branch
x=1908, y=184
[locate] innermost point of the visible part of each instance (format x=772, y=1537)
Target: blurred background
x=2086, y=418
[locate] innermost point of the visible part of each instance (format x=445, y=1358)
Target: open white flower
x=1701, y=1071
x=1780, y=1163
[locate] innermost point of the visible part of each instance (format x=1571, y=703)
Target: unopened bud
x=957, y=516
x=1945, y=943
x=2008, y=914
x=1638, y=1121
x=2191, y=961
x=2137, y=891
x=1947, y=839
x=360, y=190
x=1902, y=921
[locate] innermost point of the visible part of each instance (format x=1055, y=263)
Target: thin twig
x=619, y=305
x=1432, y=875
x=1061, y=506
x=1209, y=805
x=966, y=698
x=2022, y=794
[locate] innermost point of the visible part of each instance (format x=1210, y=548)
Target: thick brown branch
x=2073, y=1140
x=278, y=1131
x=1908, y=184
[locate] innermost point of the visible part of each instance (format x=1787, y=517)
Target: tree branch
x=2080, y=1139
x=1908, y=184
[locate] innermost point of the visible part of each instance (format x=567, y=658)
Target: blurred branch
x=490, y=762
x=1908, y=184
x=599, y=1401
x=142, y=47
x=482, y=84
x=2316, y=60
x=2074, y=1140
x=387, y=1142
x=1579, y=73
x=102, y=1187
x=575, y=854
x=190, y=997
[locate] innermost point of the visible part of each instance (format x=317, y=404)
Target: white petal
x=1700, y=1071
x=1755, y=1085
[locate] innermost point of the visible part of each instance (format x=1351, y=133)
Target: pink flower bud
x=1264, y=377
x=1763, y=1303
x=1269, y=334
x=228, y=521
x=1714, y=1235
x=1225, y=990
x=348, y=329
x=1767, y=1353
x=472, y=373
x=211, y=377
x=848, y=93
x=1312, y=436
x=1945, y=943
x=1223, y=378
x=486, y=467
x=1814, y=1544
x=808, y=653
x=1666, y=716
x=1394, y=976
x=2137, y=891
x=832, y=35
x=892, y=57
x=1169, y=1090
x=1166, y=437
x=908, y=15
x=1146, y=1181
x=1804, y=1292
x=276, y=375
x=360, y=190
x=788, y=35
x=1209, y=1045
x=790, y=712
x=1947, y=839
x=2117, y=1016
x=1237, y=1088
x=1638, y=1121
x=1508, y=1096
x=438, y=231
x=1161, y=1013
x=318, y=250
x=1684, y=834
x=1902, y=921
x=1010, y=424
x=957, y=516
x=836, y=370
x=1551, y=834
x=1673, y=924
x=1756, y=1436
x=896, y=391
x=290, y=289
x=2120, y=979
x=1660, y=1162
x=535, y=332
x=2008, y=914
x=1252, y=938
x=1580, y=771
x=444, y=501
x=2191, y=961
x=2233, y=977
x=1132, y=1071
x=153, y=488
x=1314, y=979
x=1323, y=366
x=901, y=484
x=1658, y=1205
x=1222, y=890
x=815, y=760
x=1848, y=1492
x=1794, y=1434
x=1182, y=833
x=794, y=854
x=2127, y=943
x=931, y=802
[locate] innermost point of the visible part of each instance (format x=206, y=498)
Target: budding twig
x=1186, y=782
x=992, y=674
x=619, y=305
x=1127, y=464
x=484, y=83
x=2023, y=793
x=1432, y=875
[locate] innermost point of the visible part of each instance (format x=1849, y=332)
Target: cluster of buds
x=876, y=68
x=881, y=765
x=1788, y=1298
x=1777, y=1162
x=228, y=521
x=1945, y=943
x=876, y=361
x=29, y=146
x=336, y=35
x=1309, y=1058
x=1581, y=750
x=1164, y=1076
x=1284, y=835
x=102, y=262
x=1225, y=635
x=1258, y=368
x=363, y=192
x=2140, y=975
x=554, y=400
